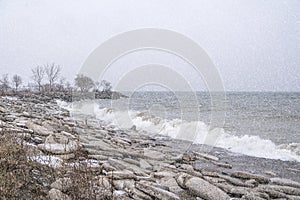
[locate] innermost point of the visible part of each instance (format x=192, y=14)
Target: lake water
x=256, y=124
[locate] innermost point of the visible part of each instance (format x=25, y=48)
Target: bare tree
x=68, y=86
x=61, y=84
x=84, y=83
x=38, y=75
x=17, y=81
x=4, y=83
x=30, y=87
x=52, y=72
x=106, y=86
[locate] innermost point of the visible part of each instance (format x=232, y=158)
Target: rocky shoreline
x=130, y=165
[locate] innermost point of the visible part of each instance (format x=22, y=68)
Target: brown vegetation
x=22, y=178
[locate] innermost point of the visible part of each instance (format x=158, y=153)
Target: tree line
x=47, y=78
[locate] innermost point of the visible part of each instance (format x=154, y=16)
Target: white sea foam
x=197, y=132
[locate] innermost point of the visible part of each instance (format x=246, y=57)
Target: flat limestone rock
x=152, y=154
x=283, y=189
x=252, y=196
x=246, y=175
x=158, y=193
x=206, y=156
x=37, y=129
x=235, y=181
x=144, y=164
x=271, y=192
x=172, y=185
x=119, y=175
x=60, y=143
x=285, y=182
x=201, y=188
x=163, y=174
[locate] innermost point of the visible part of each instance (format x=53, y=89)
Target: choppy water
x=256, y=124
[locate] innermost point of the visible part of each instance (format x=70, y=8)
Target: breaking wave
x=195, y=131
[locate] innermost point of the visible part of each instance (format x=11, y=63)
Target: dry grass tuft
x=22, y=178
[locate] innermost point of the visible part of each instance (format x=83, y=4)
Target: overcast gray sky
x=255, y=44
